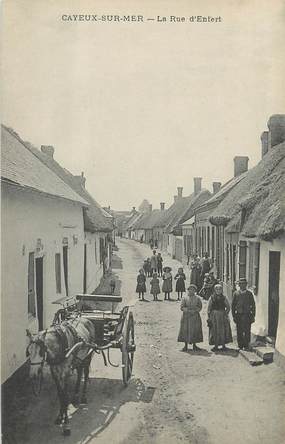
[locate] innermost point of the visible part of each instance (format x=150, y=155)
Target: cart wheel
x=128, y=348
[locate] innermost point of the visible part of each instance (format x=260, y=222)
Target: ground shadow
x=202, y=352
x=105, y=286
x=32, y=414
x=231, y=352
x=116, y=262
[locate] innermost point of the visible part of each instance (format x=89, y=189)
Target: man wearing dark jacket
x=243, y=310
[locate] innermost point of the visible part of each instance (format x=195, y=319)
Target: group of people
x=153, y=268
x=199, y=269
x=220, y=334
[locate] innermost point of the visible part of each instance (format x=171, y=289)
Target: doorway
x=65, y=267
x=85, y=270
x=273, y=292
x=39, y=291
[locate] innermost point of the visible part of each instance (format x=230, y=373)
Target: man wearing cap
x=243, y=310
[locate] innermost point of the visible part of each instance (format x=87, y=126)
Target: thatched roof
x=256, y=206
x=95, y=218
x=183, y=209
x=22, y=168
x=149, y=220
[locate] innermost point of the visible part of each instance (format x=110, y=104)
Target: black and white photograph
x=142, y=222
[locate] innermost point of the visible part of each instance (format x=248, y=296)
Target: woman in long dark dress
x=180, y=283
x=191, y=325
x=141, y=287
x=220, y=332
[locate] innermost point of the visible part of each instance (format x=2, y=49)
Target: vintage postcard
x=143, y=221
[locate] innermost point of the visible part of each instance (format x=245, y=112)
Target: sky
x=142, y=108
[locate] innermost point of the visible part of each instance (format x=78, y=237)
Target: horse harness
x=63, y=340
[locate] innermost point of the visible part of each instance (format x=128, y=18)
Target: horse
x=64, y=347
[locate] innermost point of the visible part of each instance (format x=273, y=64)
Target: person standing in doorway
x=153, y=263
x=159, y=264
x=167, y=283
x=195, y=275
x=243, y=310
x=141, y=287
x=180, y=283
x=205, y=266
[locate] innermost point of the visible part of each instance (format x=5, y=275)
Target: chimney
x=264, y=143
x=162, y=206
x=134, y=210
x=175, y=198
x=81, y=179
x=276, y=126
x=216, y=187
x=197, y=185
x=240, y=165
x=48, y=150
x=179, y=192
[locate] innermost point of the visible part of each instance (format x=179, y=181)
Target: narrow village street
x=198, y=397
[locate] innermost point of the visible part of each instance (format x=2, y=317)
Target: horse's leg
x=60, y=394
x=86, y=378
x=77, y=386
x=66, y=427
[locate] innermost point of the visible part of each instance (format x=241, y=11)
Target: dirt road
x=174, y=397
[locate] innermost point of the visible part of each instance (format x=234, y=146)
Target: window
x=213, y=243
x=95, y=247
x=208, y=240
x=57, y=273
x=227, y=262
x=253, y=265
x=242, y=259
x=31, y=286
x=101, y=250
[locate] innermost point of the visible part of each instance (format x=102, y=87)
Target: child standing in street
x=180, y=283
x=167, y=283
x=154, y=286
x=141, y=287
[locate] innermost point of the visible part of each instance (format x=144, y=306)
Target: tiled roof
x=95, y=218
x=21, y=167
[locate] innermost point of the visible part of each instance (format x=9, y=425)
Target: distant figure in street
x=145, y=267
x=153, y=263
x=243, y=311
x=141, y=239
x=167, y=283
x=191, y=325
x=205, y=265
x=141, y=287
x=195, y=275
x=159, y=264
x=155, y=244
x=154, y=286
x=151, y=244
x=180, y=283
x=148, y=267
x=218, y=320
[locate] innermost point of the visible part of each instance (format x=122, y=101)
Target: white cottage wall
x=94, y=268
x=26, y=218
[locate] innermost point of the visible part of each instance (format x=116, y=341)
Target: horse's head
x=36, y=351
